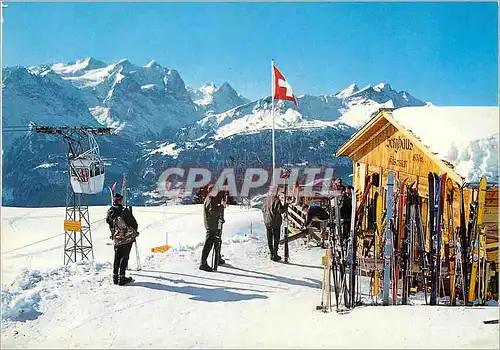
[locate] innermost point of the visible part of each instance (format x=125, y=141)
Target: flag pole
x=272, y=115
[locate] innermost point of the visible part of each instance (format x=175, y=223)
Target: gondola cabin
x=87, y=175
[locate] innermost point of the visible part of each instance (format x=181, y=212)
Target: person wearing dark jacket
x=123, y=238
x=345, y=205
x=316, y=214
x=272, y=208
x=213, y=215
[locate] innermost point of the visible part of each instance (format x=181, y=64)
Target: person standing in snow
x=123, y=227
x=345, y=206
x=272, y=208
x=213, y=212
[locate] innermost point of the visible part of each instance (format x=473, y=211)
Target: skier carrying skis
x=318, y=214
x=272, y=209
x=123, y=227
x=213, y=211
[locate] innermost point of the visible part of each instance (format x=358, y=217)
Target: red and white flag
x=282, y=90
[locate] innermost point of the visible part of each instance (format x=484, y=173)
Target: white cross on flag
x=282, y=90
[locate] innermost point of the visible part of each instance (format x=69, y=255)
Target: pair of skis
x=408, y=242
x=124, y=194
x=379, y=209
x=388, y=248
x=437, y=185
x=334, y=263
x=479, y=268
x=452, y=243
x=398, y=239
x=413, y=236
x=352, y=251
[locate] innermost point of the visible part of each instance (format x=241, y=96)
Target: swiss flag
x=282, y=90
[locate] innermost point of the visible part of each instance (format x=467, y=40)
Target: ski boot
x=115, y=278
x=124, y=280
x=205, y=267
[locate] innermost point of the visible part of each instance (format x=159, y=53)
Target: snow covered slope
x=172, y=304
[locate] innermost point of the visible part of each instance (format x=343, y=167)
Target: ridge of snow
x=367, y=87
x=262, y=120
x=81, y=65
x=152, y=64
x=208, y=88
x=45, y=165
x=148, y=86
x=61, y=68
x=348, y=91
x=205, y=94
x=381, y=87
x=91, y=78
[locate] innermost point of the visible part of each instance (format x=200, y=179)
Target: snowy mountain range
x=159, y=122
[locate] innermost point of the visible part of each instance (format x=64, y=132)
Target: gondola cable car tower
x=86, y=177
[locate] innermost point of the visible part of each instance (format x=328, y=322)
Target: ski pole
x=137, y=257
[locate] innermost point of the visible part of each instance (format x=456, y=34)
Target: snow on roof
x=466, y=137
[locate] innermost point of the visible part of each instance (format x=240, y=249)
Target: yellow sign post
x=73, y=226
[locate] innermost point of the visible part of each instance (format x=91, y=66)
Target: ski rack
x=458, y=250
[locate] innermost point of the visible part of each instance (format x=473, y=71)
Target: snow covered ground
x=249, y=303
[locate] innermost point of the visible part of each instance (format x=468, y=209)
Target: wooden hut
x=413, y=141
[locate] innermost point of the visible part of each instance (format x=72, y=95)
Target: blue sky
x=446, y=53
